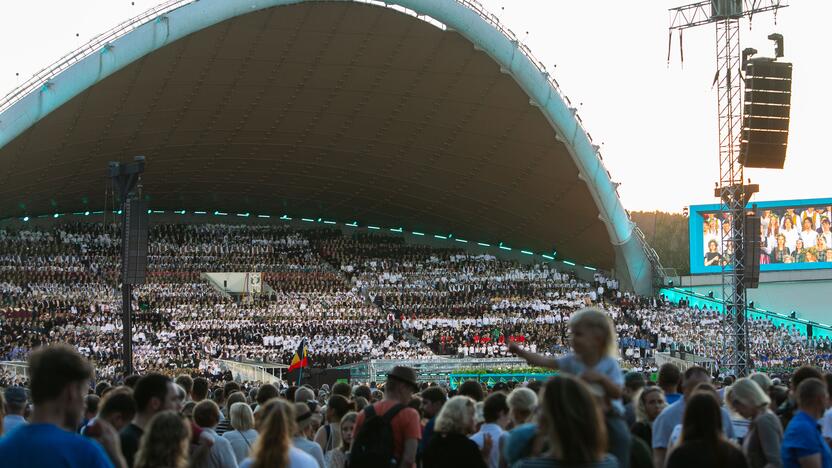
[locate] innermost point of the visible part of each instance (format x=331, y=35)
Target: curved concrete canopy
x=345, y=110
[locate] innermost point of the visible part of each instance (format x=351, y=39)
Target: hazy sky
x=657, y=123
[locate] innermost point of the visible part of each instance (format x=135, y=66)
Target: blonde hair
x=641, y=404
x=350, y=417
x=165, y=443
x=522, y=402
x=762, y=380
x=456, y=416
x=277, y=426
x=242, y=418
x=597, y=319
x=748, y=392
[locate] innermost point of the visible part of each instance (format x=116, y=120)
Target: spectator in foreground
x=15, y=407
x=702, y=442
x=207, y=416
x=432, y=400
x=274, y=444
x=765, y=434
x=329, y=435
x=117, y=407
x=594, y=359
x=59, y=380
x=244, y=435
x=495, y=411
x=165, y=443
x=302, y=437
x=790, y=407
x=803, y=445
x=572, y=422
x=672, y=416
x=633, y=384
x=339, y=457
x=669, y=379
x=153, y=393
x=450, y=446
x=522, y=403
x=649, y=403
x=406, y=428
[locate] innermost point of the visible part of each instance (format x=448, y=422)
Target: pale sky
x=657, y=123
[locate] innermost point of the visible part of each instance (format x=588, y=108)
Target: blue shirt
x=672, y=416
x=671, y=398
x=11, y=422
x=47, y=445
x=803, y=439
x=607, y=366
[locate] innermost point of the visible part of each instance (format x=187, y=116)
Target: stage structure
x=731, y=189
x=423, y=117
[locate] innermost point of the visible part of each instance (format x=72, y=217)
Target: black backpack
x=373, y=446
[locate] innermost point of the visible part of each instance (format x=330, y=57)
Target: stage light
x=711, y=294
x=526, y=252
x=25, y=219
x=751, y=304
x=793, y=315
x=670, y=283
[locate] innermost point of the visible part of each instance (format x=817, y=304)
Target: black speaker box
x=134, y=264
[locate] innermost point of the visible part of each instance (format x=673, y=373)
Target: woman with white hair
x=244, y=435
x=762, y=443
x=521, y=402
x=450, y=446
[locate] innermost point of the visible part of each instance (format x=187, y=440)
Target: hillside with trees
x=668, y=234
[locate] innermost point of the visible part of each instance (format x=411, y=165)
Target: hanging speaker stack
x=765, y=120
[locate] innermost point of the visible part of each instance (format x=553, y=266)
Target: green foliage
x=668, y=234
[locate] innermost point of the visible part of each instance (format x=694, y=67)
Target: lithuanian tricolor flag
x=299, y=360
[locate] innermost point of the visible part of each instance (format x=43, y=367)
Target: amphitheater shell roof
x=425, y=115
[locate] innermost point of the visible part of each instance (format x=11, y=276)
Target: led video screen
x=794, y=235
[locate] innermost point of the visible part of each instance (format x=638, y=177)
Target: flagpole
x=302, y=356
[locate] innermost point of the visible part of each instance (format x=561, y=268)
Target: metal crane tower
x=733, y=193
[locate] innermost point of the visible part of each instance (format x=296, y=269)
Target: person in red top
x=407, y=428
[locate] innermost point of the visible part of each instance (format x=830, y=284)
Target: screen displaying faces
x=799, y=234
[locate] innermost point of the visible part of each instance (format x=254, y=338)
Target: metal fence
x=427, y=370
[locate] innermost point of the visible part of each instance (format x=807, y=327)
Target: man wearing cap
x=15, y=407
x=407, y=430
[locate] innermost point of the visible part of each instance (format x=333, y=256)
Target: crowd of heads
x=683, y=418
x=787, y=235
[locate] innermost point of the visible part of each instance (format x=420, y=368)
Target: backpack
x=373, y=446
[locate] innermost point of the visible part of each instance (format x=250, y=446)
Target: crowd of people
x=787, y=235
x=348, y=297
x=592, y=414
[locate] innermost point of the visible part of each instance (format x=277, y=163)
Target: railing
x=243, y=372
x=375, y=370
x=685, y=361
x=42, y=77
x=15, y=368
